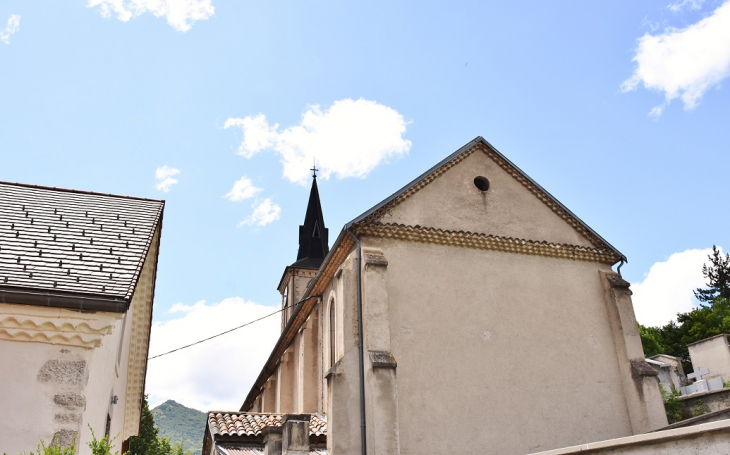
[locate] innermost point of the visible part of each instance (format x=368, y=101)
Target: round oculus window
x=481, y=183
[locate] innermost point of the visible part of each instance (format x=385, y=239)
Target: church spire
x=313, y=235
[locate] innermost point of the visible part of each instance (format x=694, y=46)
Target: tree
x=718, y=278
x=148, y=441
x=650, y=337
x=711, y=318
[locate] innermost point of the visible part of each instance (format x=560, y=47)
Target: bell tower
x=313, y=247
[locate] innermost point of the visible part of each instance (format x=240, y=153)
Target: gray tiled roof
x=65, y=241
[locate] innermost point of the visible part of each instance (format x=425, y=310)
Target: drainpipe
x=360, y=343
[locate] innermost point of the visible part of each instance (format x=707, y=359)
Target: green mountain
x=178, y=423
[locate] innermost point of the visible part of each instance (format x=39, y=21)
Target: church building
x=469, y=312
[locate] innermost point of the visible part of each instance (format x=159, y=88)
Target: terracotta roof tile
x=72, y=241
x=251, y=424
x=254, y=450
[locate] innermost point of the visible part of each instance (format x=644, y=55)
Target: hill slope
x=179, y=423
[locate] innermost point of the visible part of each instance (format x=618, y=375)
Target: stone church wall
x=503, y=352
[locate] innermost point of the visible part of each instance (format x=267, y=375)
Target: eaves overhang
x=299, y=316
x=61, y=299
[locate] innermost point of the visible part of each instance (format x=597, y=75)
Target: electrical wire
x=227, y=331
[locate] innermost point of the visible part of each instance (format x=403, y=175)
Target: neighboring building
x=713, y=354
x=228, y=433
x=469, y=312
x=77, y=279
x=669, y=371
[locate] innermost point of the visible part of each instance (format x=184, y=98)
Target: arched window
x=284, y=304
x=332, y=325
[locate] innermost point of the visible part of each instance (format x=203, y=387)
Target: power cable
x=227, y=331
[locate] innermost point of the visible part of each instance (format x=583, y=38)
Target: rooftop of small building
x=226, y=449
x=251, y=424
x=657, y=363
x=83, y=249
x=708, y=339
x=242, y=433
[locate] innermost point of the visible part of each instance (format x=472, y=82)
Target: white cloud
x=258, y=135
x=12, y=28
x=668, y=287
x=242, y=189
x=691, y=4
x=216, y=374
x=164, y=175
x=264, y=212
x=684, y=62
x=349, y=139
x=180, y=14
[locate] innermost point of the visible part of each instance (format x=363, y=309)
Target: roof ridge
x=69, y=190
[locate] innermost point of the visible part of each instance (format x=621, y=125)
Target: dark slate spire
x=313, y=235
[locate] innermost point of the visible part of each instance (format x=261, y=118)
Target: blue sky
x=619, y=109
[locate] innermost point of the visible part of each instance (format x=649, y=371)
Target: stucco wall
x=713, y=354
x=452, y=202
x=488, y=343
x=51, y=389
x=60, y=369
x=705, y=402
x=106, y=379
x=706, y=439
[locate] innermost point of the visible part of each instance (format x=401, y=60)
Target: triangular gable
x=433, y=202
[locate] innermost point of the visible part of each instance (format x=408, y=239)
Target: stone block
x=70, y=400
x=66, y=418
x=697, y=387
x=295, y=435
x=382, y=359
x=71, y=372
x=715, y=383
x=701, y=386
x=272, y=440
x=65, y=438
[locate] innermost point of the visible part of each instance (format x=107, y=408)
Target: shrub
x=672, y=404
x=698, y=409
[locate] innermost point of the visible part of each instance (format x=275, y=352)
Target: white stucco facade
x=65, y=372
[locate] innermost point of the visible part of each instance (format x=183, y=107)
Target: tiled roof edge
x=393, y=196
x=207, y=437
x=143, y=257
x=67, y=190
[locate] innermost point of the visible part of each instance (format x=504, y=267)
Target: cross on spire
x=313, y=234
x=314, y=169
